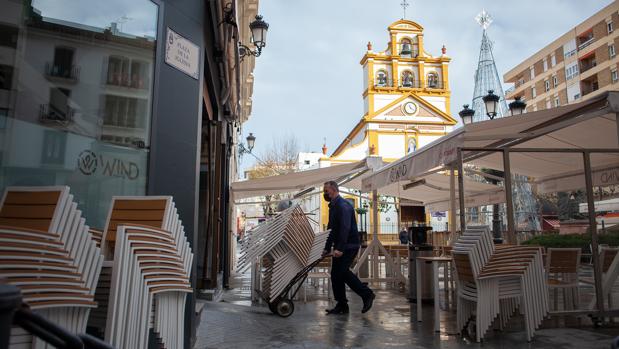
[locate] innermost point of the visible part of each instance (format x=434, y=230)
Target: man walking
x=344, y=240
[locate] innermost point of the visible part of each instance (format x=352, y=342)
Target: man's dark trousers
x=341, y=275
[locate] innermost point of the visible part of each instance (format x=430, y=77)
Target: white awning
x=298, y=181
x=588, y=125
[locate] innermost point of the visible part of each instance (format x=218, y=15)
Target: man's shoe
x=367, y=303
x=338, y=309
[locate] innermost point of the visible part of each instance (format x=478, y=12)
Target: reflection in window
x=381, y=78
x=62, y=65
x=85, y=83
x=407, y=78
x=54, y=144
x=6, y=77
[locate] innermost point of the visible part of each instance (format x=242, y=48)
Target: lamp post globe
x=251, y=141
x=517, y=107
x=492, y=102
x=259, y=30
x=466, y=114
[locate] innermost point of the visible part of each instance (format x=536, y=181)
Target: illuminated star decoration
x=404, y=5
x=484, y=19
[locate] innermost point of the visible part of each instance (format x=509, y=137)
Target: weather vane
x=404, y=5
x=484, y=19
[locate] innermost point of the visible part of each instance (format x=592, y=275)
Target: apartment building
x=580, y=64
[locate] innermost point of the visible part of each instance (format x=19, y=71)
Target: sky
x=308, y=80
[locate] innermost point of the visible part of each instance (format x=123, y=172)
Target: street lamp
x=492, y=102
x=517, y=107
x=251, y=141
x=467, y=114
x=259, y=29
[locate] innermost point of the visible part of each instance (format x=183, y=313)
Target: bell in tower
x=406, y=48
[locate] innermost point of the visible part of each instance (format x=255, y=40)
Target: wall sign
x=182, y=54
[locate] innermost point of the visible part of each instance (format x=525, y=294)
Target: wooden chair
x=562, y=274
x=46, y=250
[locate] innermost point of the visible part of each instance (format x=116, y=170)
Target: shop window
x=62, y=113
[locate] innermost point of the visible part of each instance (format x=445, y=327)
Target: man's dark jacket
x=344, y=234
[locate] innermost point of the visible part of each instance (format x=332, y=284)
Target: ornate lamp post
x=492, y=102
x=467, y=115
x=517, y=107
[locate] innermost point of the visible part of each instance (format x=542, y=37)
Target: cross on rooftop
x=404, y=5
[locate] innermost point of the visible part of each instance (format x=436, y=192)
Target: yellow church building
x=406, y=101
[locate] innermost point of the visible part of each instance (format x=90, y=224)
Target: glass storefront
x=76, y=90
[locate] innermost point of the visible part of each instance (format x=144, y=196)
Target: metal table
x=435, y=263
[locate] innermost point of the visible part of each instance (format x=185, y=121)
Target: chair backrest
x=563, y=260
x=607, y=255
x=464, y=268
x=148, y=211
x=32, y=208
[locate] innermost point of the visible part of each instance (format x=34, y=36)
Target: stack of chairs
x=494, y=282
x=46, y=250
x=148, y=267
x=285, y=244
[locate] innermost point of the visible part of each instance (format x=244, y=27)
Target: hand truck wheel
x=273, y=307
x=284, y=308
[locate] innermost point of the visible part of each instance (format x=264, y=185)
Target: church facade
x=406, y=100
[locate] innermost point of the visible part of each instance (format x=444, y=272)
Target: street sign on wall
x=182, y=54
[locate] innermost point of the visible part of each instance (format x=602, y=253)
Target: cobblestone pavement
x=233, y=323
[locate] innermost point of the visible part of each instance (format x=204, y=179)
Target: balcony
x=49, y=113
x=126, y=80
x=589, y=85
x=587, y=63
x=585, y=39
x=70, y=73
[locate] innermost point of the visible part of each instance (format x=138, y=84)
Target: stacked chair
x=285, y=244
x=46, y=250
x=495, y=282
x=147, y=273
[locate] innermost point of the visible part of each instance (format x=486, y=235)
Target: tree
x=280, y=158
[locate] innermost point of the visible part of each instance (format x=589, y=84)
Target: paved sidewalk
x=390, y=324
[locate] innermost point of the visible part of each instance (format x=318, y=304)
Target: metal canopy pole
x=509, y=199
x=461, y=190
x=375, y=241
x=452, y=201
x=597, y=271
